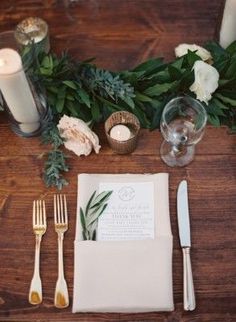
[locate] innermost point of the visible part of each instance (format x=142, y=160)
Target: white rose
x=78, y=136
x=182, y=50
x=206, y=81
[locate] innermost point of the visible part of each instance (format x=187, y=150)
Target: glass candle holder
x=33, y=29
x=25, y=103
x=122, y=130
x=7, y=40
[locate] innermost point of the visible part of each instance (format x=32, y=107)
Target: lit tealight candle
x=120, y=132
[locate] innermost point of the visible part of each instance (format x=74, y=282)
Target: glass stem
x=178, y=149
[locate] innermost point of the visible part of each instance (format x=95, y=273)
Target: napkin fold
x=124, y=276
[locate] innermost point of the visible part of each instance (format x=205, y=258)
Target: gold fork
x=39, y=228
x=61, y=298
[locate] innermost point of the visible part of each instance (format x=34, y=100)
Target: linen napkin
x=124, y=276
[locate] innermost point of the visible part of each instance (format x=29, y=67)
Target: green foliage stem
x=90, y=215
x=55, y=164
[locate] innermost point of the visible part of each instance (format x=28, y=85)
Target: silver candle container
x=33, y=30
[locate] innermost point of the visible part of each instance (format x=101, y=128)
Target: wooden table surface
x=120, y=33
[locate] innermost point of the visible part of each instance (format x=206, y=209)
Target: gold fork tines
x=39, y=228
x=61, y=298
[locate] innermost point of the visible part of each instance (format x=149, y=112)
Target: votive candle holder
x=127, y=119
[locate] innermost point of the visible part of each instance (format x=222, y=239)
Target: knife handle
x=189, y=295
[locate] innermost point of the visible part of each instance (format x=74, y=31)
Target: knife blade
x=185, y=242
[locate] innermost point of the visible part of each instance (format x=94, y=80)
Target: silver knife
x=185, y=242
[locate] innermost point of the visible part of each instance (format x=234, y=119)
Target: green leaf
x=219, y=104
x=187, y=79
x=231, y=49
x=231, y=93
x=129, y=102
x=90, y=201
x=72, y=108
x=214, y=120
x=226, y=100
x=160, y=77
x=101, y=211
x=45, y=71
x=215, y=49
x=96, y=114
x=95, y=215
x=159, y=89
x=178, y=63
x=70, y=98
x=84, y=97
x=70, y=84
x=221, y=65
x=105, y=102
x=94, y=209
x=51, y=61
x=214, y=108
x=53, y=89
x=192, y=57
x=60, y=104
x=231, y=71
x=82, y=219
x=174, y=72
x=92, y=212
x=61, y=96
x=46, y=63
x=103, y=196
x=225, y=82
x=142, y=98
x=159, y=106
x=140, y=112
x=131, y=77
x=149, y=65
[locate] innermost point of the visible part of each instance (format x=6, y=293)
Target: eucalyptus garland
x=82, y=90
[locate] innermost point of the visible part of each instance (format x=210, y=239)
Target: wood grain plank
x=130, y=31
x=17, y=146
x=120, y=33
x=209, y=270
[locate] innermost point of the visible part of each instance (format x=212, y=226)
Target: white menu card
x=130, y=212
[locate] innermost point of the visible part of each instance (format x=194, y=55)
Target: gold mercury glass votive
x=33, y=29
x=128, y=122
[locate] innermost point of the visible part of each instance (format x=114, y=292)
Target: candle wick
x=2, y=62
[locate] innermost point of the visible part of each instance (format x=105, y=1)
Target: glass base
x=28, y=130
x=177, y=157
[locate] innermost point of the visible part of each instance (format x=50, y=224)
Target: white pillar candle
x=16, y=91
x=228, y=25
x=120, y=132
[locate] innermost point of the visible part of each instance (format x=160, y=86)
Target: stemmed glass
x=182, y=126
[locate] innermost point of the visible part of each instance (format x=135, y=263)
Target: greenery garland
x=82, y=90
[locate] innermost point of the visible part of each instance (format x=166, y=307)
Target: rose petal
x=206, y=81
x=79, y=137
x=182, y=50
